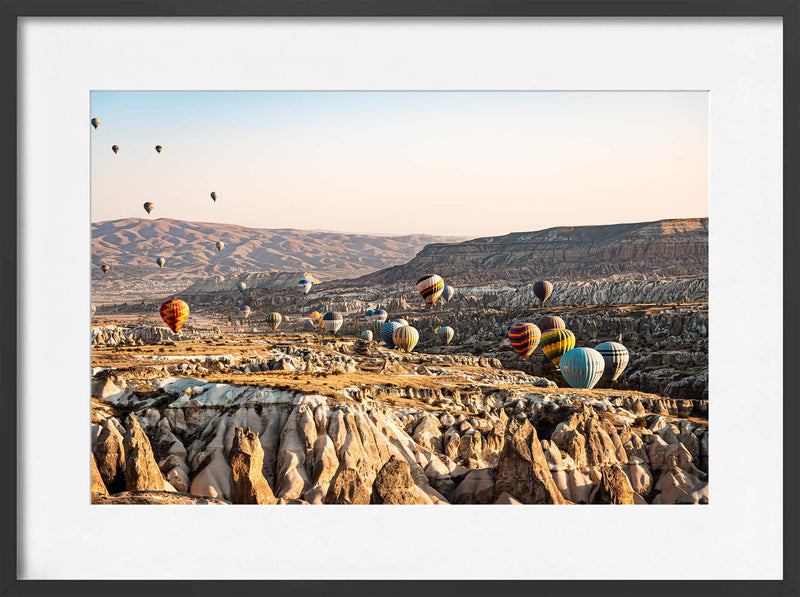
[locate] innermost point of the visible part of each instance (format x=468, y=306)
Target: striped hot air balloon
x=332, y=321
x=375, y=325
x=524, y=338
x=387, y=332
x=366, y=334
x=551, y=322
x=93, y=309
x=400, y=320
x=616, y=357
x=380, y=315
x=274, y=320
x=405, y=337
x=448, y=292
x=582, y=367
x=430, y=287
x=304, y=286
x=104, y=269
x=555, y=343
x=174, y=313
x=543, y=289
x=446, y=333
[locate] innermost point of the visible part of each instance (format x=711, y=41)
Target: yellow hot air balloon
x=274, y=320
x=158, y=148
x=555, y=343
x=115, y=148
x=174, y=312
x=405, y=337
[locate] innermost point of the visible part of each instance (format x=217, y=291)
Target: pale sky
x=450, y=163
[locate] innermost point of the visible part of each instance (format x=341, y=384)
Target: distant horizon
x=465, y=164
x=393, y=235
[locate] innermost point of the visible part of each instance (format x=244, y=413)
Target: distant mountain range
x=131, y=246
x=665, y=248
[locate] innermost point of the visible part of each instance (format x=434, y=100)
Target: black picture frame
x=12, y=10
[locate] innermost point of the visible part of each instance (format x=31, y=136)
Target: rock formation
x=141, y=471
x=246, y=460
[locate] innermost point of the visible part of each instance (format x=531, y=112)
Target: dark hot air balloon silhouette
x=115, y=148
x=158, y=148
x=95, y=122
x=213, y=196
x=551, y=322
x=543, y=289
x=148, y=207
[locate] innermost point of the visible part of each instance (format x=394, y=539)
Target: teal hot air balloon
x=582, y=367
x=616, y=359
x=367, y=335
x=375, y=325
x=387, y=332
x=405, y=337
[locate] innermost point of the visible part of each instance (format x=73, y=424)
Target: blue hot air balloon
x=380, y=315
x=387, y=331
x=582, y=367
x=368, y=314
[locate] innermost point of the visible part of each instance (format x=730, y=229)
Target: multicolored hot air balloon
x=448, y=292
x=582, y=367
x=309, y=325
x=174, y=312
x=104, y=269
x=274, y=320
x=543, y=289
x=220, y=245
x=115, y=148
x=368, y=314
x=158, y=148
x=616, y=357
x=405, y=337
x=524, y=338
x=95, y=122
x=148, y=207
x=304, y=286
x=160, y=262
x=551, y=322
x=367, y=335
x=380, y=315
x=93, y=309
x=555, y=343
x=214, y=196
x=387, y=332
x=315, y=315
x=430, y=287
x=446, y=333
x=244, y=311
x=376, y=327
x=241, y=287
x=400, y=320
x=332, y=321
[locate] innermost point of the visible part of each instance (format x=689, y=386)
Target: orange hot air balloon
x=104, y=269
x=174, y=313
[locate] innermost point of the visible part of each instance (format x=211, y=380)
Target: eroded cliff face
x=664, y=248
x=346, y=421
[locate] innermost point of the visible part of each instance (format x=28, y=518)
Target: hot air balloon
x=93, y=309
x=616, y=357
x=448, y=293
x=430, y=287
x=332, y=321
x=304, y=286
x=104, y=269
x=367, y=335
x=220, y=245
x=309, y=325
x=148, y=207
x=115, y=148
x=376, y=328
x=214, y=196
x=401, y=321
x=316, y=315
x=158, y=148
x=160, y=262
x=446, y=333
x=555, y=343
x=95, y=122
x=244, y=311
x=405, y=337
x=387, y=332
x=380, y=315
x=368, y=314
x=524, y=338
x=241, y=287
x=174, y=312
x=582, y=367
x=543, y=289
x=274, y=320
x=551, y=322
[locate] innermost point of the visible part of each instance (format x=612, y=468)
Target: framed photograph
x=304, y=298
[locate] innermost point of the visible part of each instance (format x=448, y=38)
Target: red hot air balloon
x=524, y=338
x=174, y=313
